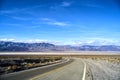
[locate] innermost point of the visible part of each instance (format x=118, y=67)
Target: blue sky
x=61, y=21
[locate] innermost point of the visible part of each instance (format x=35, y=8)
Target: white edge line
x=84, y=72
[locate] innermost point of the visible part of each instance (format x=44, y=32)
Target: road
x=73, y=71
x=27, y=74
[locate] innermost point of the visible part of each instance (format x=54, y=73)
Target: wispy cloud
x=58, y=23
x=54, y=22
x=20, y=18
x=29, y=40
x=12, y=24
x=15, y=14
x=6, y=39
x=93, y=5
x=25, y=26
x=97, y=41
x=6, y=12
x=62, y=5
x=34, y=41
x=11, y=11
x=66, y=4
x=19, y=10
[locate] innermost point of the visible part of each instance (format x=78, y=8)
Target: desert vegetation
x=13, y=63
x=104, y=67
x=106, y=58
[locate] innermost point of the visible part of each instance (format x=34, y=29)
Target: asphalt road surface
x=30, y=73
x=73, y=71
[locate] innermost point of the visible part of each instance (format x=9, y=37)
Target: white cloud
x=53, y=22
x=6, y=12
x=94, y=5
x=66, y=4
x=25, y=41
x=19, y=10
x=20, y=18
x=36, y=41
x=61, y=5
x=97, y=42
x=58, y=23
x=94, y=42
x=15, y=10
x=6, y=39
x=46, y=19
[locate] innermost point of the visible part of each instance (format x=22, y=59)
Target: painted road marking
x=49, y=72
x=84, y=72
x=58, y=69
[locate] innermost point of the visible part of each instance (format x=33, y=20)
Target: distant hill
x=100, y=48
x=43, y=47
x=16, y=46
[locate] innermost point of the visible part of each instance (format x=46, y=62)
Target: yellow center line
x=49, y=72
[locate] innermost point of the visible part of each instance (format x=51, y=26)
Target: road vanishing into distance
x=72, y=69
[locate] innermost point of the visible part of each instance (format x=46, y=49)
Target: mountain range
x=8, y=46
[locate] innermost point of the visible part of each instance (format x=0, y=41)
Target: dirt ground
x=104, y=70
